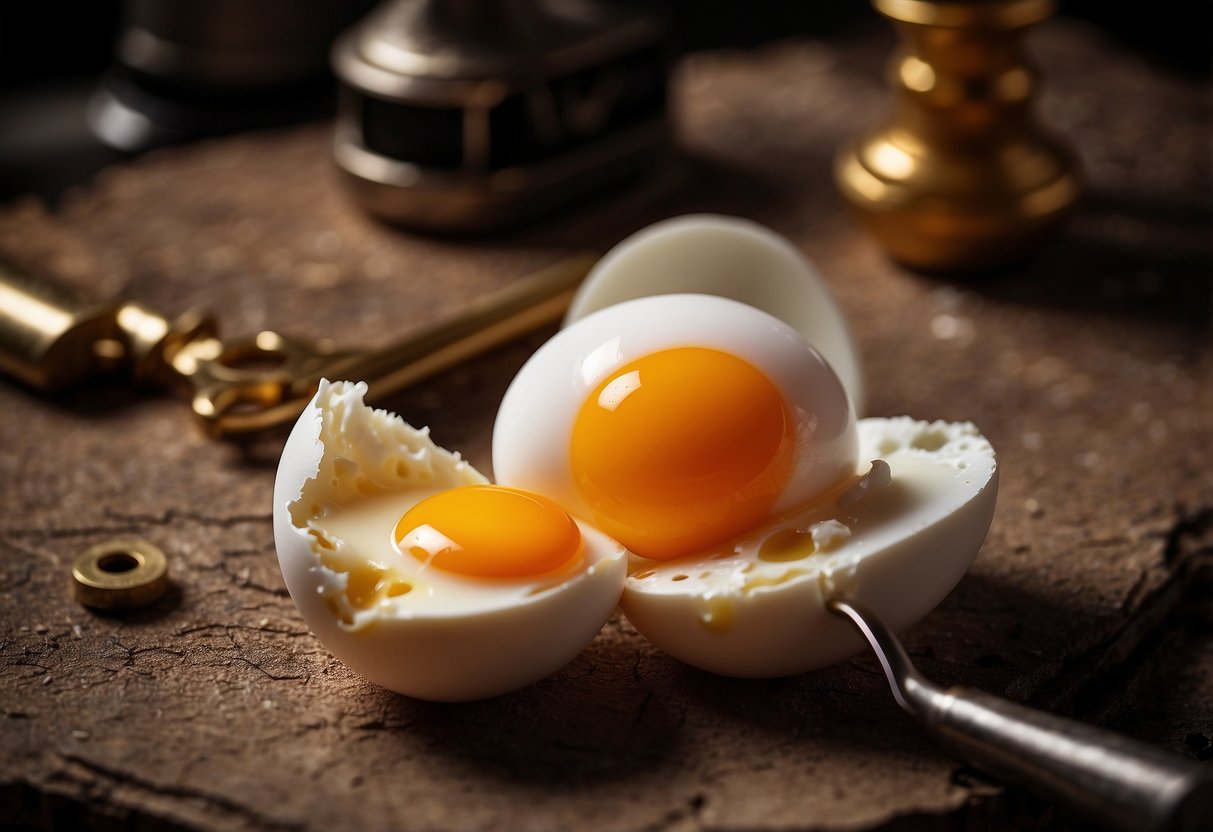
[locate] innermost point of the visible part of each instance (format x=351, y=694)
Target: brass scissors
x=51, y=338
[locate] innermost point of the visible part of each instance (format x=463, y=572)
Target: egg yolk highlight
x=682, y=449
x=487, y=531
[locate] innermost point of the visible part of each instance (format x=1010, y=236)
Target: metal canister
x=468, y=115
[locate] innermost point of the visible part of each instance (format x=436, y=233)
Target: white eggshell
x=532, y=434
x=445, y=654
x=911, y=544
x=734, y=258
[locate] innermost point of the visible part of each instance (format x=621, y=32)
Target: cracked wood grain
x=216, y=709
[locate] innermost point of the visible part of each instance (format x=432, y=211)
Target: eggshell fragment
x=909, y=544
x=734, y=258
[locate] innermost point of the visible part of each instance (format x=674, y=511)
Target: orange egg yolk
x=682, y=449
x=487, y=531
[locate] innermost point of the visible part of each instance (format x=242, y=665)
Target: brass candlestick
x=960, y=177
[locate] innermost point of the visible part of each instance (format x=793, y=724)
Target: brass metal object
x=120, y=574
x=960, y=177
x=47, y=332
x=469, y=115
x=51, y=338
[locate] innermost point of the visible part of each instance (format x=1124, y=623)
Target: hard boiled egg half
x=689, y=456
x=416, y=572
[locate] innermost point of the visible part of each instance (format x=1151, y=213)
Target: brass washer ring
x=120, y=574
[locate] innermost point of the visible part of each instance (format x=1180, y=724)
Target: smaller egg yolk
x=487, y=531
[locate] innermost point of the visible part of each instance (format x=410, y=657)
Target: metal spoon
x=1113, y=780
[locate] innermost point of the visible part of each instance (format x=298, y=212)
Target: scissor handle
x=51, y=337
x=253, y=384
x=248, y=386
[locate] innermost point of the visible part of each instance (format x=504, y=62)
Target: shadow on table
x=1126, y=258
x=623, y=710
x=596, y=721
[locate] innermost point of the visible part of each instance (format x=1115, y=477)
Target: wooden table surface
x=1088, y=367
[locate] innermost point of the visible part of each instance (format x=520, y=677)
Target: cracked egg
x=689, y=457
x=723, y=452
x=418, y=574
x=896, y=539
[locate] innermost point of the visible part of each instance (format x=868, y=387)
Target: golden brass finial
x=959, y=177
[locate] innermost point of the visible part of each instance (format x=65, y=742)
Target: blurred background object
x=186, y=69
x=53, y=54
x=960, y=176
x=467, y=115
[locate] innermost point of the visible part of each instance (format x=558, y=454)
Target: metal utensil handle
x=1118, y=781
x=48, y=331
x=1124, y=783
x=52, y=337
x=221, y=395
x=536, y=300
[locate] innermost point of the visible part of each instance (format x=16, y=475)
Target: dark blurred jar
x=469, y=116
x=187, y=68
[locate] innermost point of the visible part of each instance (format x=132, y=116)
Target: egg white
x=729, y=612
x=532, y=434
x=449, y=637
